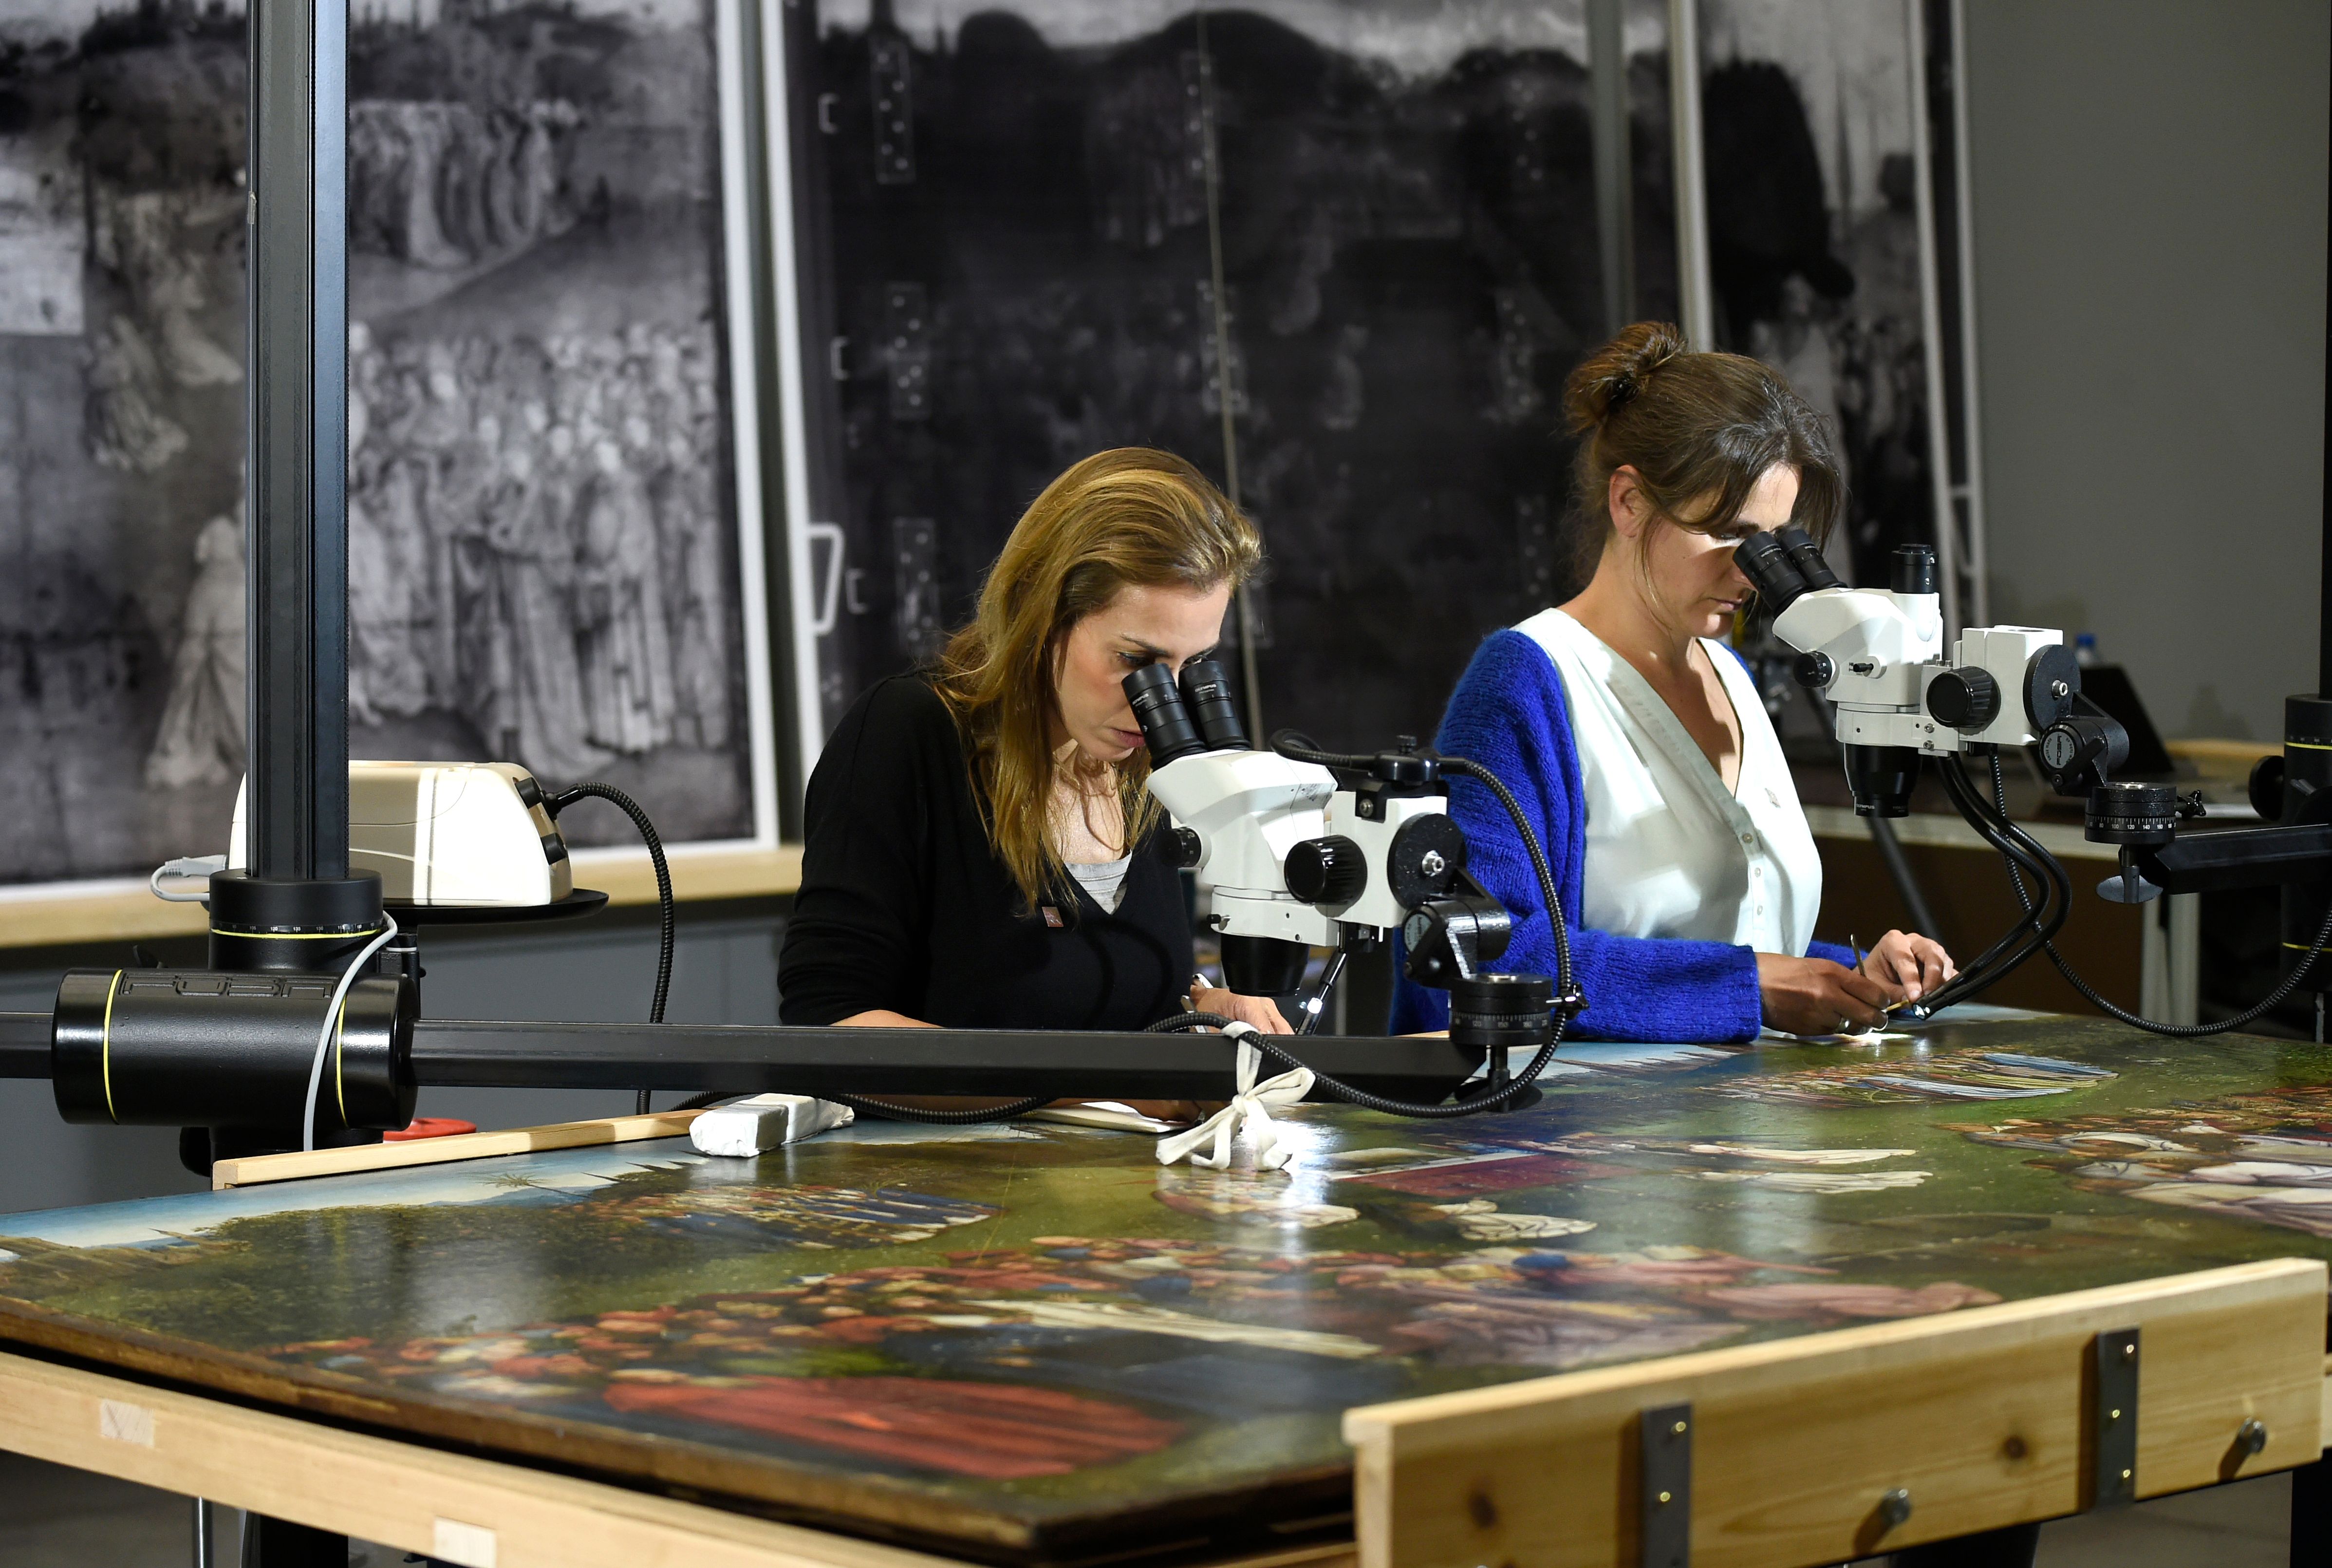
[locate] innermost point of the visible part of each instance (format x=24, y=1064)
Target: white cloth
x=1670, y=851
x=1103, y=883
x=1251, y=1107
x=744, y=1128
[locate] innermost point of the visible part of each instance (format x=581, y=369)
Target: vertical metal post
x=296, y=438
x=1695, y=289
x=2324, y=601
x=1977, y=606
x=1950, y=568
x=1615, y=218
x=1242, y=600
x=294, y=905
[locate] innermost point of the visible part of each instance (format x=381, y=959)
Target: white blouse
x=1670, y=852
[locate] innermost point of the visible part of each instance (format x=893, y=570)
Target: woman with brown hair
x=979, y=837
x=1639, y=744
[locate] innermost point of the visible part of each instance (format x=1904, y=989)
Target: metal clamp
x=2113, y=1420
x=1665, y=1437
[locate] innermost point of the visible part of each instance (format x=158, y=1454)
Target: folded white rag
x=744, y=1128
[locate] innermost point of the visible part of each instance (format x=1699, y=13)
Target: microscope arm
x=2230, y=857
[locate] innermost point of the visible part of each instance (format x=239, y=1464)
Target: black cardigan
x=905, y=906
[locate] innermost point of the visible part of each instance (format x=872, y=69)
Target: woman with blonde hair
x=979, y=834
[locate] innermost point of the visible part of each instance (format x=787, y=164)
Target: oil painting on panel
x=1033, y=1340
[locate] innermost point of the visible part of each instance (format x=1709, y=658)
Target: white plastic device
x=1250, y=808
x=1885, y=648
x=470, y=834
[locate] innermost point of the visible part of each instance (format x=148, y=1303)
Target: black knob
x=1183, y=848
x=2052, y=679
x=2145, y=815
x=1813, y=671
x=1331, y=870
x=2266, y=789
x=1966, y=699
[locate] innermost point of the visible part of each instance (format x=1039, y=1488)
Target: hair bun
x=1611, y=378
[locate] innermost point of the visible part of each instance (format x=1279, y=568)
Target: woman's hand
x=1261, y=1012
x=1812, y=996
x=1912, y=963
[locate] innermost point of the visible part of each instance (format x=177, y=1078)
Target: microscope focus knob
x=1966, y=699
x=1183, y=848
x=1331, y=870
x=1812, y=671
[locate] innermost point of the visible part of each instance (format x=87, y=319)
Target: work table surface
x=1032, y=1339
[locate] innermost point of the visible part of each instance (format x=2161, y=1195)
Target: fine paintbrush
x=1855, y=948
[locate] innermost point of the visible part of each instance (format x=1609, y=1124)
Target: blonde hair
x=1129, y=518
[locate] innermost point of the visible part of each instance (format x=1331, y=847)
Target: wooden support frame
x=472, y=1512
x=1979, y=1414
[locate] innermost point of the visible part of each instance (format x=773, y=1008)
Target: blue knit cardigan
x=1508, y=713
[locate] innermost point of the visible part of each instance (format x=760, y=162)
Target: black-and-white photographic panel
x=1810, y=163
x=546, y=564
x=1014, y=215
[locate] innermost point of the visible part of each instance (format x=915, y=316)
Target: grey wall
x=724, y=970
x=2149, y=180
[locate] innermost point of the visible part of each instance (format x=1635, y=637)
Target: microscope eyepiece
x=1912, y=571
x=1165, y=723
x=1766, y=563
x=1206, y=697
x=1806, y=556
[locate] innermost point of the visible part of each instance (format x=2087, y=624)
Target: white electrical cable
x=331, y=1020
x=197, y=867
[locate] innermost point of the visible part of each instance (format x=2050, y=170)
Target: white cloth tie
x=1251, y=1107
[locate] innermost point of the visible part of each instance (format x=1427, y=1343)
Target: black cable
x=947, y=1118
x=2025, y=937
x=711, y=1097
x=631, y=809
x=2174, y=1032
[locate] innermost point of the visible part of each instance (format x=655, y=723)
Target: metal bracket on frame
x=1664, y=1436
x=2113, y=1419
x=907, y=348
x=890, y=67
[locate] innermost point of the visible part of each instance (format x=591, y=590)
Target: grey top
x=1105, y=882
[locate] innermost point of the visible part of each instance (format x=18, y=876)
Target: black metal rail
x=748, y=1058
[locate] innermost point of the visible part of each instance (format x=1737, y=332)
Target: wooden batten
x=1981, y=1415
x=255, y=1169
x=459, y=1508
